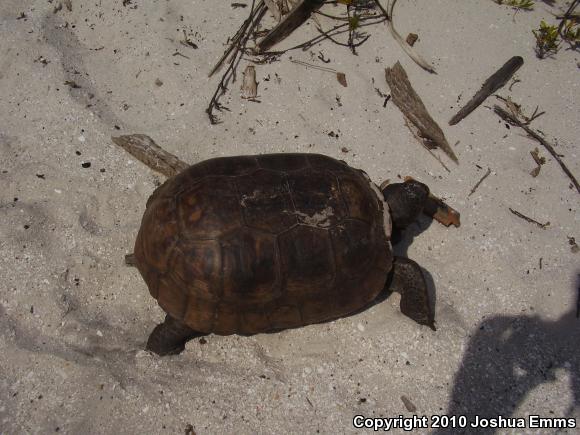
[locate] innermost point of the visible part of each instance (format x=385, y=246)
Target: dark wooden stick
x=529, y=219
x=409, y=102
x=491, y=85
x=289, y=23
x=144, y=149
x=514, y=121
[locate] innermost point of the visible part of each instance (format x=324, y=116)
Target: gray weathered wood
x=492, y=84
x=407, y=100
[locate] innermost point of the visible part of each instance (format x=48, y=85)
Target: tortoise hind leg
x=407, y=279
x=169, y=337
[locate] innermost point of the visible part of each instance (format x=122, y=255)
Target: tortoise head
x=406, y=201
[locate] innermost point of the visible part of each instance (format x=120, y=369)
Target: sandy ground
x=74, y=319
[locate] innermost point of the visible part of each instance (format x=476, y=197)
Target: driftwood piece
x=144, y=149
x=491, y=85
x=249, y=85
x=409, y=102
x=514, y=121
x=288, y=24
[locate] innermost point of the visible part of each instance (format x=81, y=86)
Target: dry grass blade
x=406, y=47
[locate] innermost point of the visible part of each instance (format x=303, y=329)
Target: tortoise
x=253, y=244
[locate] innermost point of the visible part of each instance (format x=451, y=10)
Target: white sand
x=74, y=319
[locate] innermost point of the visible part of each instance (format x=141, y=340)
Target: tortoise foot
x=407, y=279
x=169, y=337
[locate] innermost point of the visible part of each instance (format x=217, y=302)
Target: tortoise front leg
x=169, y=337
x=407, y=279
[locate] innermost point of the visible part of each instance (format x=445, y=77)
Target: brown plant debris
x=515, y=121
x=495, y=82
x=341, y=77
x=528, y=219
x=409, y=102
x=144, y=149
x=539, y=162
x=411, y=39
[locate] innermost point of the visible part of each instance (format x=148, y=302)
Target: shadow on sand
x=507, y=358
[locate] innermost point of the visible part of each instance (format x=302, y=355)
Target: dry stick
x=256, y=15
x=323, y=35
x=528, y=219
x=257, y=12
x=407, y=100
x=406, y=47
x=492, y=84
x=144, y=149
x=479, y=182
x=514, y=121
x=288, y=24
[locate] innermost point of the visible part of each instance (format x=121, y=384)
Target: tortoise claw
x=169, y=337
x=408, y=280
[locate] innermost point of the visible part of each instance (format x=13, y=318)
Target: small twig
x=479, y=182
x=514, y=121
x=310, y=65
x=528, y=219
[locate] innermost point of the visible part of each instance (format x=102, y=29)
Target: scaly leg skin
x=407, y=279
x=169, y=337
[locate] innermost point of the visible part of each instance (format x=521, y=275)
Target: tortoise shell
x=252, y=244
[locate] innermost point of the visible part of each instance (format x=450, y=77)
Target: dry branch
x=144, y=149
x=514, y=121
x=491, y=85
x=407, y=100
